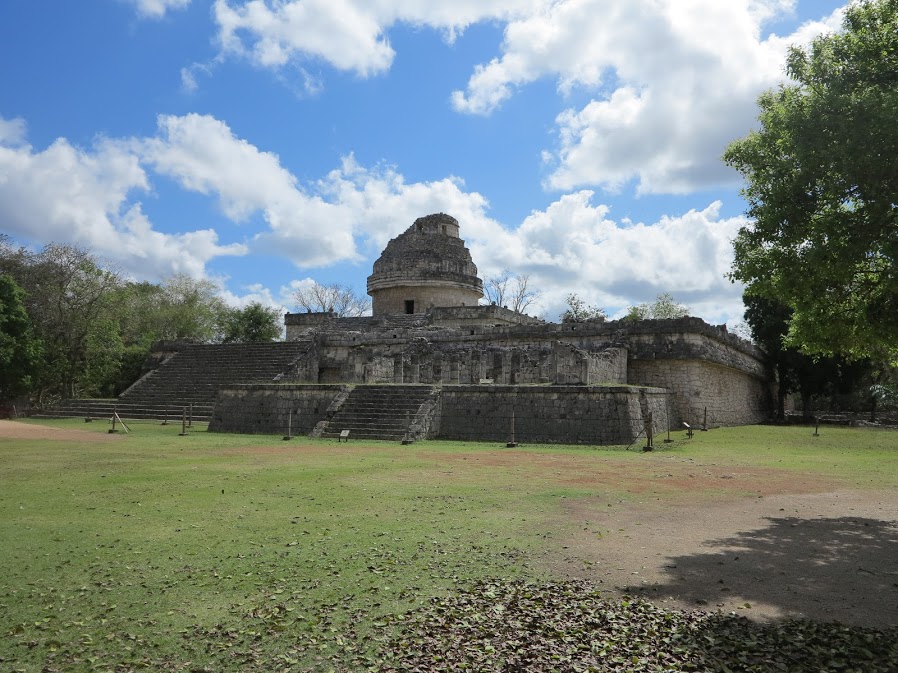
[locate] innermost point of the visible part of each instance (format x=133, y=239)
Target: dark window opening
x=409, y=306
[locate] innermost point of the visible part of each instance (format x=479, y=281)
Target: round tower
x=425, y=266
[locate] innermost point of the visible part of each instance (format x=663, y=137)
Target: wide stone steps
x=103, y=409
x=378, y=412
x=196, y=373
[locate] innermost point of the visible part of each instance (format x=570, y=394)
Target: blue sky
x=265, y=144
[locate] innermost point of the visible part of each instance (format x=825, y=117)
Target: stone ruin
x=491, y=372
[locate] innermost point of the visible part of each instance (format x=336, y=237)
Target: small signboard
x=344, y=435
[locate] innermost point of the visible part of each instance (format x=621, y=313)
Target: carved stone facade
x=494, y=372
x=702, y=366
x=427, y=328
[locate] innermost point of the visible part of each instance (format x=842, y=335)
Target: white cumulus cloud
x=575, y=246
x=670, y=82
x=156, y=9
x=69, y=194
x=88, y=196
x=673, y=80
x=350, y=35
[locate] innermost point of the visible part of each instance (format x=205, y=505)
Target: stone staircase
x=195, y=374
x=378, y=412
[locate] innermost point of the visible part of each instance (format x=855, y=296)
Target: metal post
x=649, y=433
x=165, y=416
x=816, y=426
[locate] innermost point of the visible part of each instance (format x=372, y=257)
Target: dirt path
x=829, y=556
x=16, y=430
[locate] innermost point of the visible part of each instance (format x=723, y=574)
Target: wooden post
x=165, y=416
x=512, y=443
x=289, y=434
x=183, y=432
x=122, y=423
x=190, y=417
x=112, y=429
x=705, y=424
x=668, y=440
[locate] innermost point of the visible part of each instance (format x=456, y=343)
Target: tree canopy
x=20, y=350
x=664, y=307
x=822, y=189
x=71, y=326
x=579, y=311
x=255, y=323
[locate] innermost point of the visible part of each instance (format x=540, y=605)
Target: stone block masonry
x=265, y=408
x=594, y=415
x=550, y=414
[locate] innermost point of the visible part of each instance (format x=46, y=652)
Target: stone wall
x=731, y=396
x=264, y=408
x=421, y=361
x=542, y=414
x=550, y=414
x=491, y=315
x=423, y=295
x=702, y=365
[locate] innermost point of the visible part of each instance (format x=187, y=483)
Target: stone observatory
x=426, y=266
x=433, y=362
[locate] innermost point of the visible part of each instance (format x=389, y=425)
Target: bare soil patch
x=830, y=556
x=761, y=542
x=17, y=430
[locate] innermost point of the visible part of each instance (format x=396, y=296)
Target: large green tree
x=189, y=308
x=254, y=323
x=822, y=189
x=68, y=296
x=20, y=350
x=812, y=378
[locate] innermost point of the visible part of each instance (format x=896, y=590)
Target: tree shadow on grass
x=838, y=569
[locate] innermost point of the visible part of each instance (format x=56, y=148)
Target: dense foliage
x=822, y=189
x=814, y=378
x=19, y=350
x=70, y=326
x=255, y=323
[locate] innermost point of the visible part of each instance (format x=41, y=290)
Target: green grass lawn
x=224, y=552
